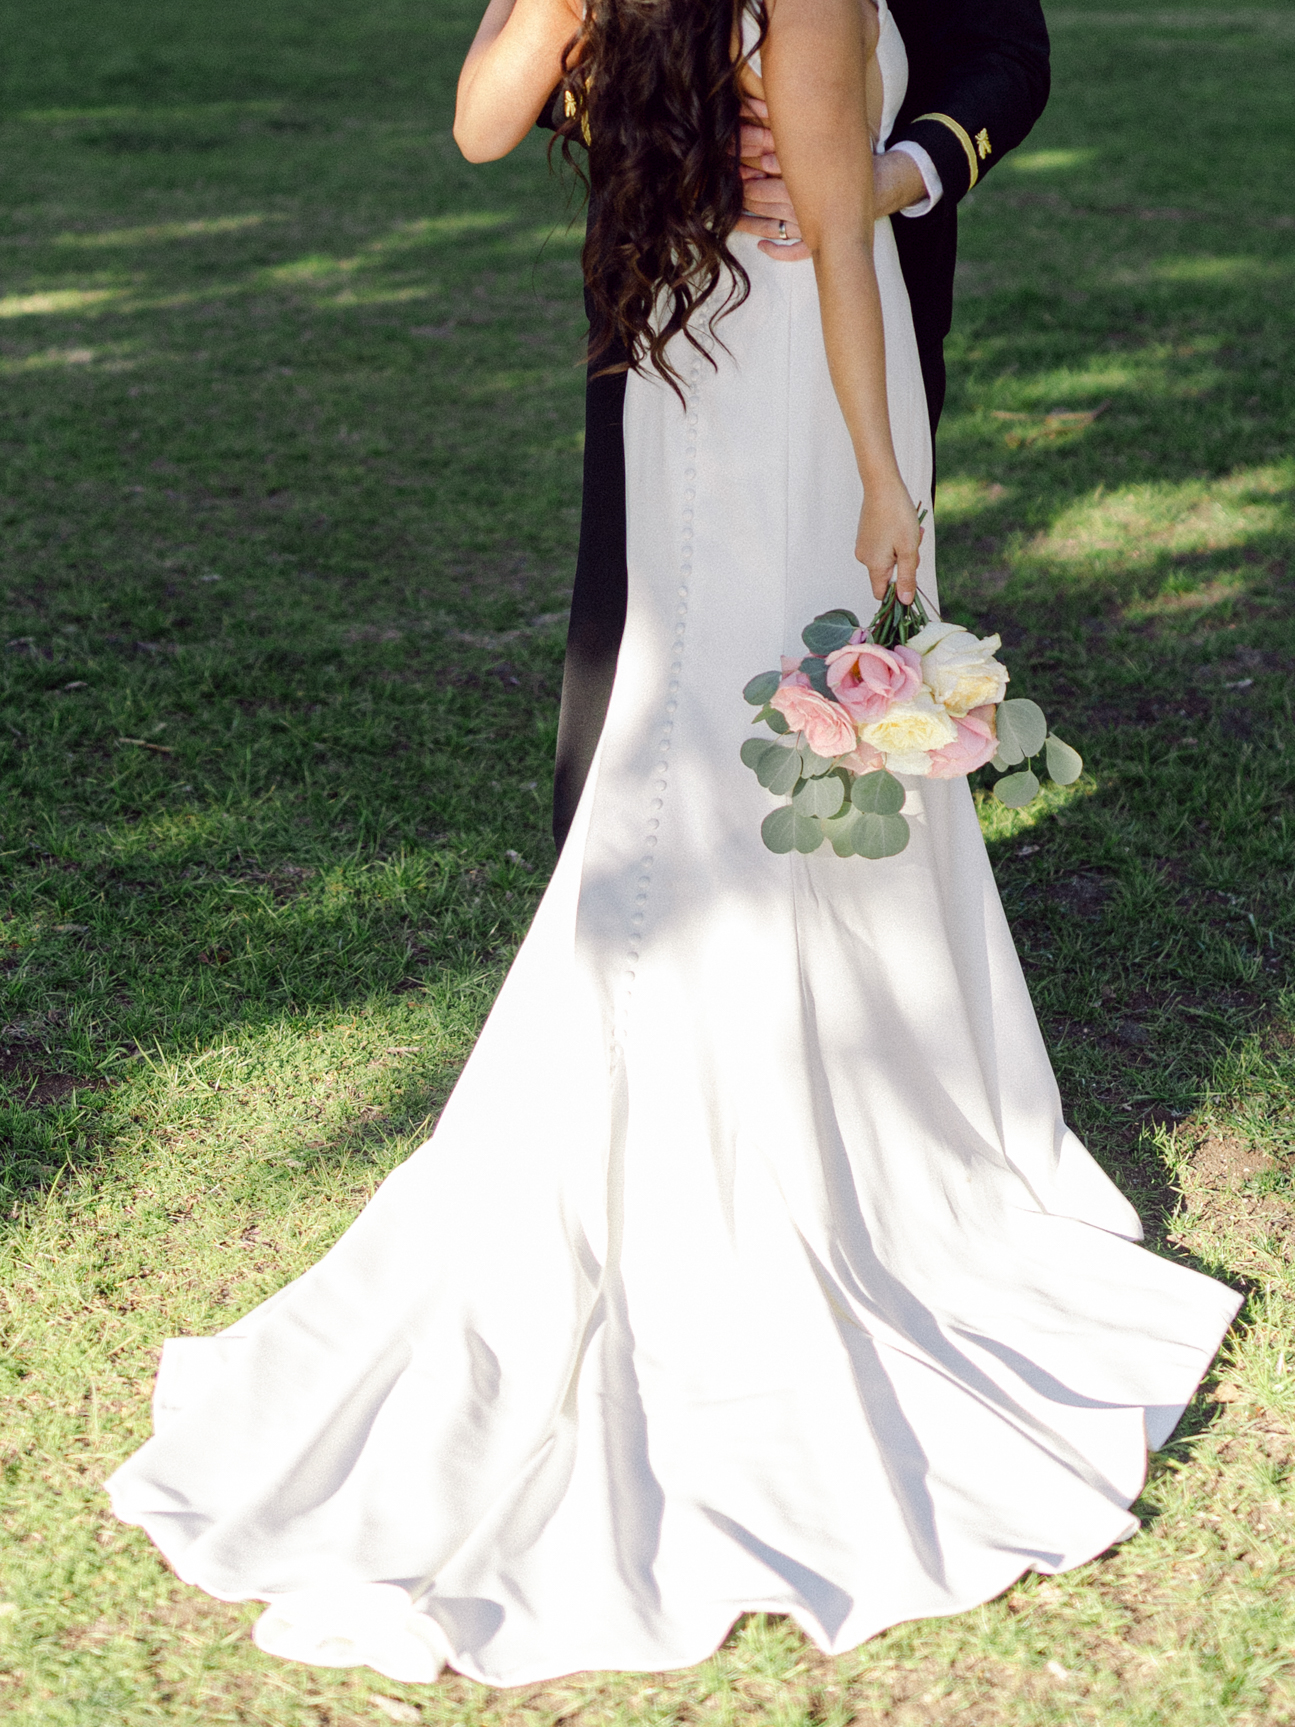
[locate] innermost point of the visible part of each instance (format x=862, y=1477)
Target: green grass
x=291, y=439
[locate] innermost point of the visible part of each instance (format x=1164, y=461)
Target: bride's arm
x=512, y=66
x=814, y=64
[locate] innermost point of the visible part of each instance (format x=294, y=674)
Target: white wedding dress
x=751, y=1266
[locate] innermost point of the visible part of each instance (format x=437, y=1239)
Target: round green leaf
x=806, y=833
x=880, y=836
x=820, y=797
x=761, y=688
x=815, y=669
x=754, y=750
x=829, y=630
x=1021, y=730
x=1064, y=764
x=775, y=721
x=1017, y=790
x=814, y=765
x=779, y=771
x=878, y=794
x=778, y=829
x=840, y=831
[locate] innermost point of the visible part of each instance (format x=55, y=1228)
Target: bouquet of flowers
x=907, y=695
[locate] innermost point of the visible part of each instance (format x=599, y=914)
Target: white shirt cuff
x=930, y=178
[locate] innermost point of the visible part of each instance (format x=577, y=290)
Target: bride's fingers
x=879, y=578
x=906, y=579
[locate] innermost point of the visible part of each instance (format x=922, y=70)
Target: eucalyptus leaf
x=779, y=771
x=815, y=669
x=775, y=721
x=1001, y=765
x=820, y=797
x=814, y=764
x=1021, y=730
x=778, y=829
x=829, y=631
x=806, y=833
x=880, y=836
x=1064, y=764
x=840, y=831
x=878, y=794
x=754, y=750
x=1017, y=790
x=761, y=688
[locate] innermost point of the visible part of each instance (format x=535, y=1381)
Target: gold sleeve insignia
x=983, y=146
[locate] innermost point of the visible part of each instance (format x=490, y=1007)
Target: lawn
x=291, y=432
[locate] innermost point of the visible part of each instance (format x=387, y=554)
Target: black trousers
x=927, y=250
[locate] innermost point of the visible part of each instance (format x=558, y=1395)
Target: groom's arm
x=978, y=82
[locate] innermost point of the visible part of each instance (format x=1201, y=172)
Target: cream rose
x=960, y=670
x=908, y=730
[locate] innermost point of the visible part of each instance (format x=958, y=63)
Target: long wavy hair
x=652, y=87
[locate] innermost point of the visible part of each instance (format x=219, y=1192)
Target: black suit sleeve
x=978, y=81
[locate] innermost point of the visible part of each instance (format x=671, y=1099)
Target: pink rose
x=974, y=745
x=827, y=727
x=867, y=679
x=863, y=760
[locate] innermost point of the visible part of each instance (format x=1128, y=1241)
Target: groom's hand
x=897, y=183
x=767, y=210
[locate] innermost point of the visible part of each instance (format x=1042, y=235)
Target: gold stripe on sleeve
x=963, y=139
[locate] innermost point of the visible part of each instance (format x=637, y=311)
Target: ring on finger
x=782, y=230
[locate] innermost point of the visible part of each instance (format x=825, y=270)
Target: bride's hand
x=888, y=539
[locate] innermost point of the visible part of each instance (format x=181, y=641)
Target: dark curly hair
x=652, y=87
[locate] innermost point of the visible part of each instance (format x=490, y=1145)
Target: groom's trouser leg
x=598, y=599
x=928, y=252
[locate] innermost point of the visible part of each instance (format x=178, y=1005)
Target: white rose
x=959, y=670
x=915, y=763
x=909, y=729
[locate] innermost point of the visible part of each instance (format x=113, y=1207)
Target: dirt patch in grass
x=1226, y=1198
x=1224, y=1161
x=37, y=1086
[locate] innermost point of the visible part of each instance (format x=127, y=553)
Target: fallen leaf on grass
x=394, y=1709
x=217, y=956
x=77, y=684
x=143, y=744
x=1041, y=428
x=1057, y=1670
x=1227, y=1393
x=404, y=1049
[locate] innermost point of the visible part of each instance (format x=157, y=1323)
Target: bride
x=752, y=1266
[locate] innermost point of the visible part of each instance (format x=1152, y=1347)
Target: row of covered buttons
x=659, y=772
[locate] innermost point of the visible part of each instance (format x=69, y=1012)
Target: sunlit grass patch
x=55, y=301
x=198, y=227
x=1159, y=531
x=963, y=496
x=1206, y=270
x=1049, y=161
